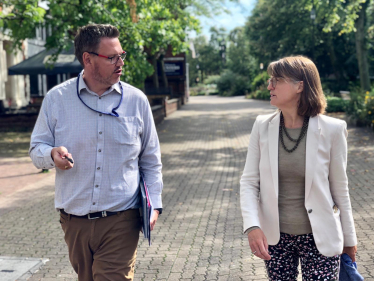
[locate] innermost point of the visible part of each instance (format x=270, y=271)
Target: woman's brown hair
x=298, y=68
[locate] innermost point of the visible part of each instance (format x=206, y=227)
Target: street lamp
x=313, y=14
x=313, y=18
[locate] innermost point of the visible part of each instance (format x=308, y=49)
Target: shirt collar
x=83, y=85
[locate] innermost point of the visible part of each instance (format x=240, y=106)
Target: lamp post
x=223, y=51
x=313, y=18
x=197, y=80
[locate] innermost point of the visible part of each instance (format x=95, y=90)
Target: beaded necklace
x=282, y=128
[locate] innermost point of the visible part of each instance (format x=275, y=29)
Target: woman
x=294, y=189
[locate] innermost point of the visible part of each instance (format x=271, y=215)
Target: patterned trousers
x=290, y=249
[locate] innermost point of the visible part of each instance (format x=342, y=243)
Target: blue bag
x=348, y=269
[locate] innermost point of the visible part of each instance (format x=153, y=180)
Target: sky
x=239, y=14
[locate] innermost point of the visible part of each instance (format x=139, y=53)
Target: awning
x=66, y=63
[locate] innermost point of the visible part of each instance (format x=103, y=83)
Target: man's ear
x=87, y=59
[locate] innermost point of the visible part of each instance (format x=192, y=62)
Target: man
x=99, y=132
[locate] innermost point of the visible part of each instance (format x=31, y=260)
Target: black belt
x=92, y=216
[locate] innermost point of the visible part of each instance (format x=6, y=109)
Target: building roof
x=66, y=63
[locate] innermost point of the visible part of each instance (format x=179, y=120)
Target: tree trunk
x=163, y=73
x=155, y=74
x=338, y=71
x=361, y=51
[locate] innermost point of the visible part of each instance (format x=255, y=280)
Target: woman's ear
x=300, y=87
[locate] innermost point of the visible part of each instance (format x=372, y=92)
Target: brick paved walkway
x=198, y=237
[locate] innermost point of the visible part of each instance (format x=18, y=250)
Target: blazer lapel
x=273, y=139
x=311, y=152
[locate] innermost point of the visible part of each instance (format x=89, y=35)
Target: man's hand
x=351, y=252
x=58, y=155
x=154, y=218
x=258, y=243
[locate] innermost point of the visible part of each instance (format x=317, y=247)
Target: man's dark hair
x=88, y=38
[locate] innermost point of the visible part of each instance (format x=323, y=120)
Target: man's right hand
x=58, y=155
x=258, y=243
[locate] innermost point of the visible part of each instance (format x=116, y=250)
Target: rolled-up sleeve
x=42, y=138
x=150, y=157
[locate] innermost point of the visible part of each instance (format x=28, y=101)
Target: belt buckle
x=103, y=214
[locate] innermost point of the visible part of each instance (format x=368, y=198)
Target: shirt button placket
x=99, y=156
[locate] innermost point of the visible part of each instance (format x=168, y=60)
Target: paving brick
x=199, y=235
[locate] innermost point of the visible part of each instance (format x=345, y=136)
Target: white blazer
x=326, y=182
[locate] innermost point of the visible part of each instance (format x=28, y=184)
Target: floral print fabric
x=290, y=249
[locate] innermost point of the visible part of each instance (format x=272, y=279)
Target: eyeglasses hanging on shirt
x=113, y=113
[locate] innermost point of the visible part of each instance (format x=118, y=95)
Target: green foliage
x=213, y=79
x=355, y=106
x=208, y=60
x=335, y=104
x=21, y=17
x=259, y=87
x=260, y=81
x=279, y=28
x=361, y=108
x=260, y=94
x=342, y=13
x=369, y=108
x=204, y=90
x=239, y=58
x=156, y=25
x=232, y=84
x=225, y=83
x=208, y=8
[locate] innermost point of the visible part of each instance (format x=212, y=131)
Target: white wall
x=14, y=89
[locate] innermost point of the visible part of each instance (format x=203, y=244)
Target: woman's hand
x=351, y=252
x=258, y=243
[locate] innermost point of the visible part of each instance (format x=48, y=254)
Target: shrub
x=204, y=90
x=224, y=84
x=368, y=111
x=232, y=84
x=240, y=86
x=193, y=91
x=213, y=79
x=335, y=104
x=261, y=94
x=361, y=108
x=260, y=81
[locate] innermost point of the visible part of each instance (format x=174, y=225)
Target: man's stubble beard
x=98, y=77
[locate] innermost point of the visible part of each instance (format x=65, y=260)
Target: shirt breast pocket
x=126, y=130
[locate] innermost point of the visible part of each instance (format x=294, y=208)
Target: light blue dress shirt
x=108, y=151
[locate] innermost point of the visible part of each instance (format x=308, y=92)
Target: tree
x=20, y=17
x=240, y=60
x=208, y=59
x=147, y=27
x=352, y=17
x=333, y=40
x=155, y=25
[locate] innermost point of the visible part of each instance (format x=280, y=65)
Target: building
x=16, y=91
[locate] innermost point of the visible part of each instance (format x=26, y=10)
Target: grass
x=14, y=144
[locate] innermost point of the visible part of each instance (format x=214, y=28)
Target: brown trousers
x=104, y=248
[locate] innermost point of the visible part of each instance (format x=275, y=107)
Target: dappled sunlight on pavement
x=199, y=235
